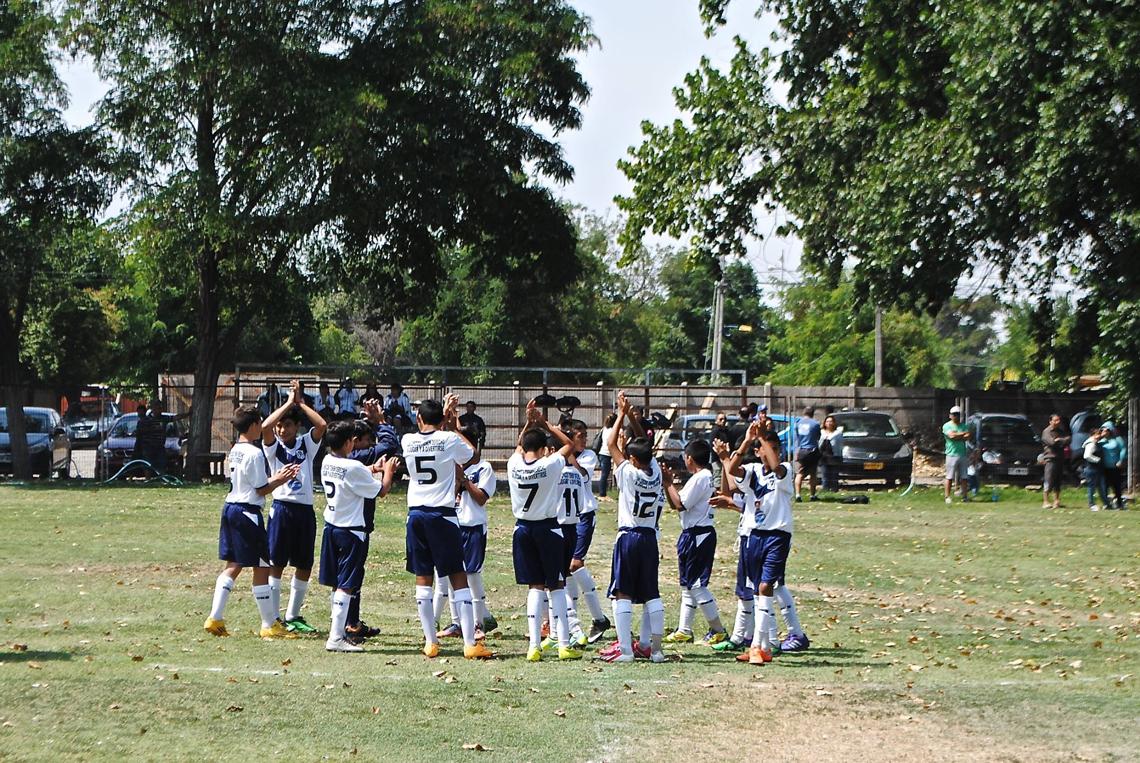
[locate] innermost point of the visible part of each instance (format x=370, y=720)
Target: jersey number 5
x=424, y=465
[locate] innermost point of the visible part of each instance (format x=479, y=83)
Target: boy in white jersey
x=242, y=541
x=537, y=546
x=634, y=571
x=476, y=486
x=292, y=523
x=433, y=540
x=696, y=545
x=572, y=495
x=348, y=483
x=732, y=497
x=580, y=580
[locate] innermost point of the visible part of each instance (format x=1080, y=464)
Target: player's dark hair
x=809, y=410
x=339, y=433
x=641, y=449
x=700, y=451
x=431, y=412
x=771, y=436
x=244, y=417
x=361, y=428
x=576, y=425
x=293, y=414
x=609, y=420
x=534, y=440
x=471, y=434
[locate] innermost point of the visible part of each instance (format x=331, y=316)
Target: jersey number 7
x=532, y=491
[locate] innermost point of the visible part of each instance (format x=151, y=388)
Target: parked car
x=48, y=447
x=874, y=448
x=119, y=446
x=1081, y=426
x=87, y=422
x=699, y=427
x=1008, y=446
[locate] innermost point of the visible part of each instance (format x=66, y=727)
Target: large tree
x=917, y=141
x=351, y=141
x=51, y=185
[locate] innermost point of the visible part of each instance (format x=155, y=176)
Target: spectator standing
x=605, y=461
x=1055, y=439
x=1115, y=455
x=737, y=430
x=957, y=444
x=269, y=400
x=831, y=453
x=398, y=404
x=1093, y=454
x=807, y=453
x=371, y=393
x=719, y=431
x=326, y=403
x=150, y=436
x=347, y=398
x=472, y=419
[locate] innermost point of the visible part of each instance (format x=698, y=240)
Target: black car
x=48, y=447
x=873, y=448
x=1008, y=448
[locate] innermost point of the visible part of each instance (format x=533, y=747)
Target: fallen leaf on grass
x=493, y=689
x=234, y=709
x=823, y=693
x=478, y=747
x=114, y=706
x=448, y=680
x=439, y=674
x=286, y=663
x=35, y=666
x=19, y=647
x=708, y=686
x=136, y=658
x=560, y=713
x=375, y=710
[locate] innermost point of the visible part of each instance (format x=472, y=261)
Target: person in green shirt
x=957, y=436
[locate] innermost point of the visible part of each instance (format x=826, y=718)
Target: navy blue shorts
x=539, y=550
x=474, y=547
x=241, y=536
x=292, y=534
x=433, y=543
x=584, y=534
x=569, y=543
x=765, y=554
x=696, y=548
x=635, y=565
x=744, y=591
x=343, y=552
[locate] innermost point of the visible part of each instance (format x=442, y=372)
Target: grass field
x=990, y=631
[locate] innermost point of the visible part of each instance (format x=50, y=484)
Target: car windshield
x=87, y=411
x=1008, y=432
x=34, y=423
x=867, y=425
x=125, y=427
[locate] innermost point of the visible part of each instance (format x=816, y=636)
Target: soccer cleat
x=451, y=631
x=758, y=656
x=949, y=500
x=547, y=644
x=598, y=629
x=797, y=642
x=366, y=630
x=569, y=653
x=534, y=654
x=276, y=630
x=478, y=651
x=609, y=649
x=728, y=645
x=479, y=634
x=775, y=647
x=342, y=645
x=298, y=625
x=657, y=657
x=618, y=656
x=640, y=651
x=579, y=639
x=814, y=498
x=215, y=627
x=431, y=649
x=545, y=633
x=714, y=637
x=678, y=637
x=490, y=623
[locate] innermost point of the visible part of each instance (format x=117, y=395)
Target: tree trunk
x=13, y=391
x=207, y=365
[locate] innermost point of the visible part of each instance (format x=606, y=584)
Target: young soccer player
x=572, y=495
x=581, y=582
x=633, y=574
x=344, y=544
x=242, y=540
x=292, y=523
x=434, y=541
x=476, y=486
x=696, y=545
x=733, y=497
x=538, y=546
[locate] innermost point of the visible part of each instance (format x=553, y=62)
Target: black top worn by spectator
x=150, y=437
x=472, y=419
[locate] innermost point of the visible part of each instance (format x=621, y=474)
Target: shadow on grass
x=34, y=656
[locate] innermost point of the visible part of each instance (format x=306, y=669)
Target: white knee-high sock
x=479, y=595
x=461, y=600
x=655, y=612
x=688, y=609
x=590, y=593
x=646, y=628
x=440, y=599
x=340, y=602
x=222, y=587
x=761, y=637
x=706, y=602
x=788, y=611
x=559, y=626
x=745, y=621
x=264, y=598
x=297, y=590
x=275, y=595
x=572, y=621
x=623, y=623
x=426, y=613
x=534, y=607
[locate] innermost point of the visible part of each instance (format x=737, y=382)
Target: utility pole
x=718, y=329
x=878, y=346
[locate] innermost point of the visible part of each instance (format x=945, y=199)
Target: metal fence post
x=1133, y=444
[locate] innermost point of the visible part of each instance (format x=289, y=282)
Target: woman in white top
x=831, y=449
x=605, y=462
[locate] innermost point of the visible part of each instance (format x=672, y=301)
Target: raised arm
x=267, y=436
x=386, y=467
x=635, y=422
x=567, y=447
x=771, y=458
x=732, y=466
x=317, y=421
x=616, y=453
x=450, y=415
x=671, y=493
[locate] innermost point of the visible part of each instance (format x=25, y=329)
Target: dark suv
x=1008, y=448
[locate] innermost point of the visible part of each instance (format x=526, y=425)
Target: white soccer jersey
x=431, y=458
x=767, y=498
x=534, y=486
x=572, y=495
x=588, y=460
x=347, y=483
x=470, y=513
x=640, y=498
x=695, y=495
x=304, y=450
x=248, y=473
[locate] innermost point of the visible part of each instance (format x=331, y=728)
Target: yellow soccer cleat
x=431, y=649
x=276, y=630
x=215, y=627
x=478, y=652
x=569, y=653
x=534, y=654
x=678, y=637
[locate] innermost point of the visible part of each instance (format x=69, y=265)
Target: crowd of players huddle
x=550, y=478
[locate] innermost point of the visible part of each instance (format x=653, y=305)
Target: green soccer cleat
x=547, y=644
x=298, y=625
x=727, y=646
x=490, y=623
